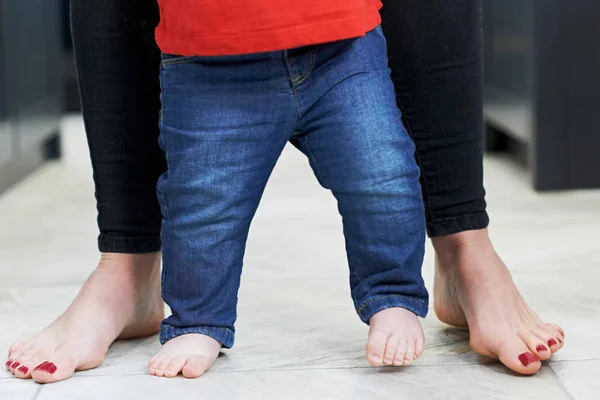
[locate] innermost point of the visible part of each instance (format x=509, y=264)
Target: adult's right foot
x=120, y=300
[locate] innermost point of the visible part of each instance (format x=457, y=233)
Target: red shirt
x=228, y=27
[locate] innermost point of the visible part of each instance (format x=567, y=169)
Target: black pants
x=436, y=61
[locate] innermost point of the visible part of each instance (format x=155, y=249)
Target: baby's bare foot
x=192, y=355
x=121, y=299
x=395, y=338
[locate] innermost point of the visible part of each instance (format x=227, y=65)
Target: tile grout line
x=268, y=370
x=561, y=384
x=37, y=393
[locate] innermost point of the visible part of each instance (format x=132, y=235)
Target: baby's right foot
x=395, y=338
x=191, y=354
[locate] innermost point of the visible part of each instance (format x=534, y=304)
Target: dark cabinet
x=31, y=85
x=542, y=87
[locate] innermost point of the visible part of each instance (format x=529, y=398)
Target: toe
x=175, y=366
x=60, y=365
x=550, y=337
x=400, y=353
x=376, y=347
x=15, y=364
x=560, y=330
x=390, y=351
x=517, y=356
x=162, y=365
x=46, y=372
x=154, y=363
x=24, y=371
x=409, y=356
x=419, y=347
x=537, y=346
x=196, y=366
x=553, y=330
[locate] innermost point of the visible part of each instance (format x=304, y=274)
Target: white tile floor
x=298, y=336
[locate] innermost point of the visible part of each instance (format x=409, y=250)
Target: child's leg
x=351, y=130
x=224, y=123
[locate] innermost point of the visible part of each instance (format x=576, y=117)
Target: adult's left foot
x=474, y=289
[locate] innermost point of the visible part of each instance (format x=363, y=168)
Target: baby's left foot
x=395, y=338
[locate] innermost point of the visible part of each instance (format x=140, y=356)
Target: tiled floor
x=298, y=336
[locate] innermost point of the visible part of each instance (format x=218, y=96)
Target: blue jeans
x=224, y=124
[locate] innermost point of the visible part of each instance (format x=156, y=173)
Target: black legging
x=436, y=61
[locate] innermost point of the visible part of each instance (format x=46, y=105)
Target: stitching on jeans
x=410, y=133
x=179, y=60
x=293, y=88
x=298, y=80
x=362, y=307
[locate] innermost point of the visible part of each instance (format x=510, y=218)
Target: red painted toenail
x=8, y=363
x=23, y=369
x=541, y=348
x=551, y=342
x=46, y=366
x=15, y=365
x=527, y=358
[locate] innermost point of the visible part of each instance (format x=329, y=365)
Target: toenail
x=527, y=358
x=46, y=366
x=23, y=369
x=559, y=341
x=15, y=365
x=8, y=363
x=541, y=348
x=551, y=342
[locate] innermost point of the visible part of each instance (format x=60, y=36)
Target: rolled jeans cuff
x=372, y=306
x=222, y=335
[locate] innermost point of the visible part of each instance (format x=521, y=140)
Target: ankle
x=142, y=260
x=449, y=248
x=141, y=268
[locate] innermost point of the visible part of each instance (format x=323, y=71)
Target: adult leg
x=118, y=65
x=221, y=147
x=435, y=54
x=352, y=133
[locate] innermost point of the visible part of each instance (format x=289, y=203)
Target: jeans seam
x=292, y=86
x=298, y=80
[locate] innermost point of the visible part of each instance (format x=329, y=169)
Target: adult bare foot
x=120, y=300
x=191, y=354
x=474, y=289
x=395, y=338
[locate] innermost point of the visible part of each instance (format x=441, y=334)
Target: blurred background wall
x=542, y=86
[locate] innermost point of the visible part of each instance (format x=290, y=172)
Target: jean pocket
x=172, y=59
